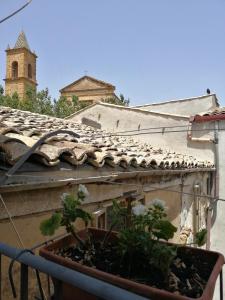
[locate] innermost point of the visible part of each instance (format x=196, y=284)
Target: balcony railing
x=27, y=259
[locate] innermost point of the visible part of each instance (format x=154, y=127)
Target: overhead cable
x=15, y=12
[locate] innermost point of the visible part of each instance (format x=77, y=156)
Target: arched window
x=29, y=71
x=15, y=70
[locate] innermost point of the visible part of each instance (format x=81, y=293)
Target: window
x=29, y=71
x=14, y=70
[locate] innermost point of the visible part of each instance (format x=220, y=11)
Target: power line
x=163, y=131
x=164, y=189
x=152, y=128
x=130, y=184
x=15, y=12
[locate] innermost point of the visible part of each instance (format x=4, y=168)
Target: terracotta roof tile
x=19, y=130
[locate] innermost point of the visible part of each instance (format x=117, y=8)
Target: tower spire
x=22, y=41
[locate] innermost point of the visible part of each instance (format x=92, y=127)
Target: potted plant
x=138, y=257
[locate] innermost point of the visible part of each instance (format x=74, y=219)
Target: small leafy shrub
x=141, y=241
x=71, y=211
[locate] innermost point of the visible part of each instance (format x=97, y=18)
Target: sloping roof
x=185, y=107
x=22, y=41
x=103, y=84
x=127, y=108
x=176, y=100
x=19, y=130
x=217, y=114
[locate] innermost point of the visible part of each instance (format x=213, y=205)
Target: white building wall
x=186, y=107
x=119, y=119
x=218, y=243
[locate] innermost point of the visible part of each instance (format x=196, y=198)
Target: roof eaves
x=14, y=186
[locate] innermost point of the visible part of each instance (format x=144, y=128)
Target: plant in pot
x=138, y=257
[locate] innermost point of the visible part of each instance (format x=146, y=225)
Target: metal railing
x=96, y=287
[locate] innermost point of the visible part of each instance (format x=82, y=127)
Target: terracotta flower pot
x=147, y=291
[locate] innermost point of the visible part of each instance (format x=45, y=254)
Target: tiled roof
x=215, y=115
x=22, y=41
x=217, y=111
x=19, y=130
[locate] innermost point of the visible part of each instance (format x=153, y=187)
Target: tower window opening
x=29, y=71
x=15, y=70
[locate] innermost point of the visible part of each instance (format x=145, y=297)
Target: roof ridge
x=176, y=100
x=137, y=109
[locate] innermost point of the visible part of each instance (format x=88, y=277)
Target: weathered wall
x=29, y=208
x=118, y=119
x=217, y=240
x=186, y=107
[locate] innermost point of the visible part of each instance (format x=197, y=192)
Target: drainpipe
x=212, y=209
x=195, y=211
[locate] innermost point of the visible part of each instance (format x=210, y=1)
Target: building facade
x=89, y=89
x=20, y=68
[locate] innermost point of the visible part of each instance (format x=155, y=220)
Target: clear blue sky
x=151, y=50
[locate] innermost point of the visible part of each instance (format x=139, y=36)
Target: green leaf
x=48, y=227
x=163, y=229
x=201, y=237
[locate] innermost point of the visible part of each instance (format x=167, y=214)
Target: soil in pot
x=188, y=275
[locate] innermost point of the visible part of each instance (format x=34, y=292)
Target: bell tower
x=20, y=68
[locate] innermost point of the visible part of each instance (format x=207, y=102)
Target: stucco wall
x=217, y=233
x=29, y=208
x=117, y=119
x=218, y=243
x=186, y=107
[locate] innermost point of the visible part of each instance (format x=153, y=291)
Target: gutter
x=61, y=181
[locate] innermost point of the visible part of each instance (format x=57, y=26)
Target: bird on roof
x=208, y=91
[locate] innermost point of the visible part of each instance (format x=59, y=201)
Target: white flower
x=159, y=203
x=63, y=197
x=82, y=190
x=139, y=209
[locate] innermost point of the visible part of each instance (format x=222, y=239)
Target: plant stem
x=106, y=237
x=70, y=229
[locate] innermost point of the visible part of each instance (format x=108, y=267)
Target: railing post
x=0, y=276
x=58, y=295
x=24, y=282
x=221, y=284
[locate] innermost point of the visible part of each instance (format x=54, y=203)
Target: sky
x=151, y=50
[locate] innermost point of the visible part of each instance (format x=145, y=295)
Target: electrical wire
x=163, y=131
x=15, y=12
x=70, y=180
x=163, y=189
